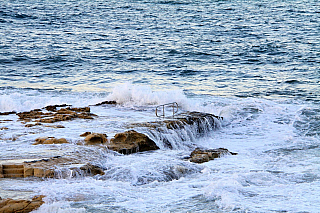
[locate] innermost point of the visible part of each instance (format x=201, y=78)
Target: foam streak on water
x=254, y=63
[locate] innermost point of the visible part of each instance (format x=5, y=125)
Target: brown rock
x=63, y=114
x=201, y=156
x=85, y=134
x=31, y=125
x=20, y=206
x=7, y=113
x=85, y=116
x=54, y=107
x=50, y=140
x=92, y=169
x=43, y=172
x=83, y=109
x=95, y=138
x=132, y=142
x=4, y=128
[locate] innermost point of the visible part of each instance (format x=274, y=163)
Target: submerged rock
x=20, y=206
x=50, y=140
x=205, y=155
x=131, y=142
x=32, y=125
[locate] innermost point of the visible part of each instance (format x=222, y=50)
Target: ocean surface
x=255, y=63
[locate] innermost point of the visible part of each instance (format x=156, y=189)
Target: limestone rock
x=95, y=138
x=205, y=155
x=20, y=206
x=131, y=142
x=50, y=140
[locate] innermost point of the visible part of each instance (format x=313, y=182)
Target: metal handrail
x=174, y=106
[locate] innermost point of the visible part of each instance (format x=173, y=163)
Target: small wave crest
x=137, y=95
x=29, y=99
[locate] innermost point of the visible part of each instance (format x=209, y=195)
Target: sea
x=256, y=63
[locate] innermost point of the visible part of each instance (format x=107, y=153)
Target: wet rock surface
x=95, y=138
x=105, y=103
x=131, y=142
x=205, y=155
x=55, y=115
x=51, y=168
x=180, y=121
x=20, y=206
x=8, y=113
x=50, y=140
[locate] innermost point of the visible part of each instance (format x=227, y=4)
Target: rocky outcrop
x=201, y=120
x=8, y=113
x=92, y=169
x=55, y=115
x=95, y=139
x=50, y=140
x=105, y=102
x=185, y=126
x=53, y=108
x=205, y=155
x=85, y=134
x=20, y=206
x=50, y=168
x=131, y=142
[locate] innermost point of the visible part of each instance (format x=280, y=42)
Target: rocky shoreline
x=126, y=143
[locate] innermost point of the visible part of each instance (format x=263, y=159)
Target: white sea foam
x=58, y=207
x=135, y=95
x=25, y=100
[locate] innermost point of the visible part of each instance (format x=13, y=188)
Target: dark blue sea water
x=256, y=63
x=227, y=48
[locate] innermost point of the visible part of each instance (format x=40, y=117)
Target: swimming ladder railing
x=161, y=109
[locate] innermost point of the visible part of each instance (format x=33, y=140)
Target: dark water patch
x=5, y=61
x=24, y=16
x=175, y=2
x=185, y=73
x=293, y=81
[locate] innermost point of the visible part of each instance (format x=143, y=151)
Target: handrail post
x=163, y=111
